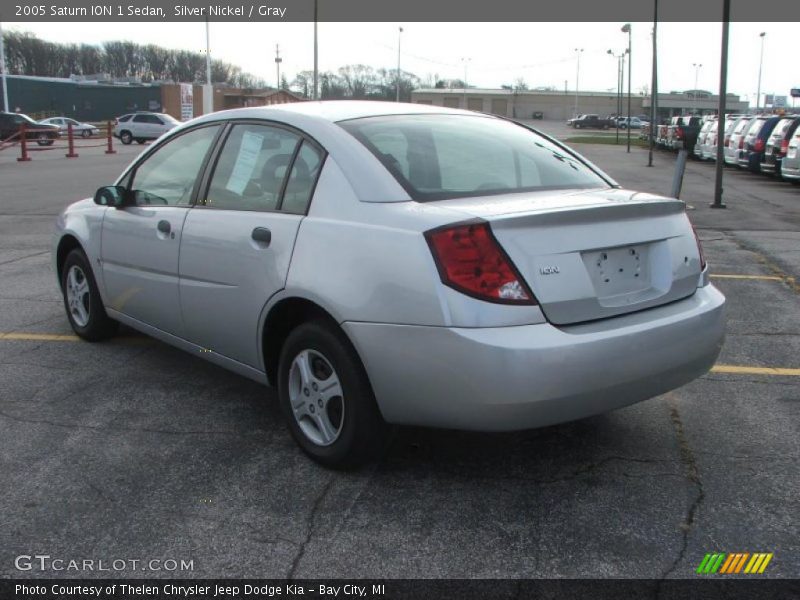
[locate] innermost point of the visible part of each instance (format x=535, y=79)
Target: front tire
x=82, y=301
x=125, y=137
x=86, y=133
x=326, y=397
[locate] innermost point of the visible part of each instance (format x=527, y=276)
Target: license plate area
x=619, y=273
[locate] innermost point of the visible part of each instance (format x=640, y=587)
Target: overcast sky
x=541, y=53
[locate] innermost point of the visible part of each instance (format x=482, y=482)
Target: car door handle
x=262, y=235
x=164, y=226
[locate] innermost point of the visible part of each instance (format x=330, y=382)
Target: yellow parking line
x=758, y=277
x=39, y=337
x=740, y=370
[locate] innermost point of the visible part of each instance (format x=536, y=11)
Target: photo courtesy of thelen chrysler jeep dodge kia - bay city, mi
x=383, y=263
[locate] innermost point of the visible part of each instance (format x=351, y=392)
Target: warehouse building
x=561, y=105
x=99, y=98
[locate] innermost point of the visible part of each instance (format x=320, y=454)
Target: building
x=100, y=98
x=562, y=105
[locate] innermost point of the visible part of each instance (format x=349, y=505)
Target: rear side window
x=251, y=168
x=435, y=157
x=124, y=119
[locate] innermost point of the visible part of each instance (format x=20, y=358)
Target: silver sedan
x=383, y=264
x=78, y=129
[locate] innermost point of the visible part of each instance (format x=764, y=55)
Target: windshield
x=436, y=157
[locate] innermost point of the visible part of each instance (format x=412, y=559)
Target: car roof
x=340, y=110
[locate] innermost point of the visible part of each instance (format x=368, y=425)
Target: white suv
x=143, y=126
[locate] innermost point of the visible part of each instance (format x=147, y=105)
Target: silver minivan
x=734, y=145
x=790, y=165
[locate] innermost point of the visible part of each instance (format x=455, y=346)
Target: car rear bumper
x=788, y=172
x=511, y=378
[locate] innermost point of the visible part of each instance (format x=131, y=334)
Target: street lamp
x=399, y=35
x=465, y=62
x=762, y=35
x=3, y=70
x=620, y=75
x=696, y=73
x=578, y=52
x=627, y=29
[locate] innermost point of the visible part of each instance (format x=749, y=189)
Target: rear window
x=125, y=118
x=742, y=124
x=781, y=127
x=436, y=157
x=755, y=127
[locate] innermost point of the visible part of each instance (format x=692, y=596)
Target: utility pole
x=397, y=90
x=315, y=95
x=3, y=69
x=578, y=51
x=620, y=70
x=696, y=73
x=762, y=35
x=654, y=86
x=627, y=29
x=466, y=63
x=278, y=61
x=723, y=91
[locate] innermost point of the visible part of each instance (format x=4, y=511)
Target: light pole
x=654, y=87
x=3, y=69
x=465, y=62
x=399, y=35
x=278, y=61
x=627, y=29
x=696, y=73
x=620, y=71
x=578, y=52
x=315, y=95
x=762, y=35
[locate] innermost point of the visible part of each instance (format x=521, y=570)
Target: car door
x=144, y=127
x=141, y=241
x=238, y=239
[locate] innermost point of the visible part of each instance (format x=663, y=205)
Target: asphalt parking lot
x=133, y=450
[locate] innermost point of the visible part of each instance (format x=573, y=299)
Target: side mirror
x=111, y=195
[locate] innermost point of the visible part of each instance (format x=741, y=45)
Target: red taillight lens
x=679, y=133
x=700, y=250
x=759, y=145
x=741, y=144
x=727, y=140
x=784, y=147
x=470, y=260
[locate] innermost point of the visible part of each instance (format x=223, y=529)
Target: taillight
x=700, y=250
x=759, y=145
x=727, y=140
x=470, y=260
x=784, y=147
x=741, y=144
x=679, y=133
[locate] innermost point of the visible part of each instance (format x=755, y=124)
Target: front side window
x=251, y=168
x=167, y=177
x=435, y=157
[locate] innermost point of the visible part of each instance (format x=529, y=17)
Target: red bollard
x=110, y=143
x=71, y=142
x=23, y=144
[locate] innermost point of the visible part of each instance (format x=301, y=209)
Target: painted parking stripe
x=742, y=370
x=756, y=277
x=39, y=337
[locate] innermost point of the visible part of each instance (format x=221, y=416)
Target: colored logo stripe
x=734, y=563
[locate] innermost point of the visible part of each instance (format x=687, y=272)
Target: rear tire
x=82, y=301
x=86, y=133
x=326, y=397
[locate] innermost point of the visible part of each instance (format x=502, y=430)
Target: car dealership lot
x=134, y=450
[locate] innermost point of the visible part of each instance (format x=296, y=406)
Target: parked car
x=589, y=121
x=143, y=126
x=682, y=132
x=790, y=164
x=384, y=263
x=82, y=129
x=755, y=142
x=635, y=123
x=735, y=140
x=701, y=149
x=10, y=123
x=710, y=145
x=778, y=144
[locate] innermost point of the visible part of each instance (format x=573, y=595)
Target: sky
x=543, y=54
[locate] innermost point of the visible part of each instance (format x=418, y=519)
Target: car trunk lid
x=593, y=254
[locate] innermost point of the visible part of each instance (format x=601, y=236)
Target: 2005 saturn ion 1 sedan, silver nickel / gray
x=385, y=263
